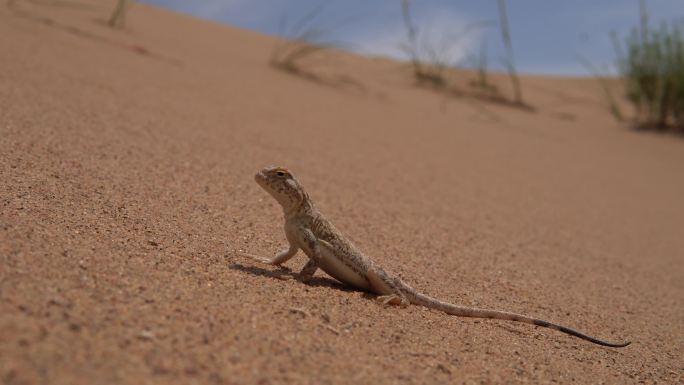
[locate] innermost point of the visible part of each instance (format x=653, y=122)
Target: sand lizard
x=307, y=229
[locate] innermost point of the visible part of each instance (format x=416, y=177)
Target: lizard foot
x=304, y=278
x=393, y=299
x=257, y=258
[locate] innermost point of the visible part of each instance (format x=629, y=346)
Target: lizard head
x=283, y=186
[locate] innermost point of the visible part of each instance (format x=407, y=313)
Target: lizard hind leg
x=389, y=294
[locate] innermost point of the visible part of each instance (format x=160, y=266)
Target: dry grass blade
x=118, y=17
x=509, y=61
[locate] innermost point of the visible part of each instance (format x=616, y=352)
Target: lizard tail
x=429, y=302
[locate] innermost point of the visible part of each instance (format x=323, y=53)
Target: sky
x=556, y=37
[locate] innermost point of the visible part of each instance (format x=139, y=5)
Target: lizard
x=307, y=229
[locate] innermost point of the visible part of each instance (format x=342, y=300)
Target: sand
x=126, y=194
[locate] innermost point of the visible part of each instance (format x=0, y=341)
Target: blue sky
x=548, y=35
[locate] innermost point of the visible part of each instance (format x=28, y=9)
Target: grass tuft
x=651, y=62
x=429, y=60
x=303, y=40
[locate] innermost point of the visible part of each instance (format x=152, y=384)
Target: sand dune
x=126, y=194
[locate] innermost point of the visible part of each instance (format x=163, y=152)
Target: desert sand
x=127, y=195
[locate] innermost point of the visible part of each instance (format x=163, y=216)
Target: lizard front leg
x=280, y=258
x=309, y=244
x=308, y=271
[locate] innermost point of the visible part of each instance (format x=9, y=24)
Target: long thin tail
x=424, y=300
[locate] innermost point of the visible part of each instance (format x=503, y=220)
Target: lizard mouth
x=259, y=177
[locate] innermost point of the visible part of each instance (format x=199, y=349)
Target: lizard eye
x=280, y=173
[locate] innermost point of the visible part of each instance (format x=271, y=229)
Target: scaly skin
x=307, y=229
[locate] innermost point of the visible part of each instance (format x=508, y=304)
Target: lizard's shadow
x=286, y=273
